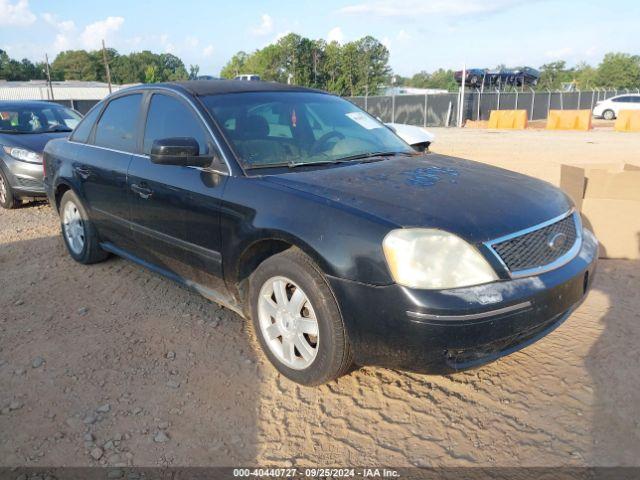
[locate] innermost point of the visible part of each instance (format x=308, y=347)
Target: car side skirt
x=208, y=293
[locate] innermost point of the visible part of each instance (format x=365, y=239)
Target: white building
x=75, y=94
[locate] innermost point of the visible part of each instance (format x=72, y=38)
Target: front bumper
x=24, y=178
x=439, y=331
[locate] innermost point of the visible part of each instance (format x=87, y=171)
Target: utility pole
x=106, y=65
x=46, y=63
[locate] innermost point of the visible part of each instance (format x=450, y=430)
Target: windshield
x=32, y=118
x=299, y=128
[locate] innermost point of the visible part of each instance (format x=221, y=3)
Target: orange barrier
x=569, y=120
x=628, y=121
x=508, y=119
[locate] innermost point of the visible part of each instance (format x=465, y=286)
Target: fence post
x=593, y=92
x=516, y=98
x=479, y=96
x=426, y=102
x=579, y=98
x=366, y=103
x=561, y=100
x=393, y=108
x=498, y=101
x=548, y=101
x=533, y=103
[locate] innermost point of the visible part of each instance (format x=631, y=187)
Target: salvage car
x=417, y=137
x=305, y=215
x=25, y=128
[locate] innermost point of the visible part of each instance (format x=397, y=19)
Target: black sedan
x=309, y=217
x=25, y=128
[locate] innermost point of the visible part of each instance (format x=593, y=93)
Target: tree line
x=354, y=68
x=136, y=67
x=616, y=70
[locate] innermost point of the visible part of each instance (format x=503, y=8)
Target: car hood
x=31, y=141
x=475, y=201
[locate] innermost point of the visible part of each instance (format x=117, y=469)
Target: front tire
x=608, y=115
x=8, y=199
x=78, y=231
x=297, y=320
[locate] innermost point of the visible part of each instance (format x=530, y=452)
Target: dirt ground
x=112, y=365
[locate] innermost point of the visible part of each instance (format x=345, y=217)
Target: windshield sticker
x=365, y=121
x=294, y=119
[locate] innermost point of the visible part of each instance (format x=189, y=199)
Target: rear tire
x=78, y=231
x=287, y=294
x=8, y=199
x=608, y=115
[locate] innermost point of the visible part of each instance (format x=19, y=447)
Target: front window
x=280, y=128
x=36, y=118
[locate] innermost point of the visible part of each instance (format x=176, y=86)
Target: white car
x=249, y=77
x=417, y=137
x=609, y=108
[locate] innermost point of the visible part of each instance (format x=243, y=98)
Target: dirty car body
x=209, y=227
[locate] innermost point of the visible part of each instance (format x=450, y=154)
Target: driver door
x=175, y=210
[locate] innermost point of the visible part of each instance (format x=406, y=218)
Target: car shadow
x=177, y=372
x=613, y=363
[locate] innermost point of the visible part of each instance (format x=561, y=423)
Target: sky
x=420, y=34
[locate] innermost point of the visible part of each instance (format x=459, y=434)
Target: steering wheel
x=320, y=145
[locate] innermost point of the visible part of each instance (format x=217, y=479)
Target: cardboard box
x=608, y=196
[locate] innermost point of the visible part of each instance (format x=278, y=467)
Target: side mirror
x=183, y=151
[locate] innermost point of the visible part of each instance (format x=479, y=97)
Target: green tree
x=350, y=69
x=619, y=70
x=150, y=74
x=194, y=70
x=75, y=65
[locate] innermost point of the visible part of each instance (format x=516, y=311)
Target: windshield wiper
x=370, y=155
x=366, y=157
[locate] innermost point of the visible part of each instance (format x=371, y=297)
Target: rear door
x=101, y=167
x=175, y=209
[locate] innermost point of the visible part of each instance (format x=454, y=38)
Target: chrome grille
x=538, y=248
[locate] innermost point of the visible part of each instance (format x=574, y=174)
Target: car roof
x=218, y=87
x=28, y=103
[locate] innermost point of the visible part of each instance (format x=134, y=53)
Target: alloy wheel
x=288, y=323
x=73, y=228
x=3, y=190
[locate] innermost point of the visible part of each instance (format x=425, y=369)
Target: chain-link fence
x=439, y=110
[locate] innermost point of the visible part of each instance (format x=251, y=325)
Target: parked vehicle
x=473, y=77
x=306, y=215
x=250, y=77
x=609, y=108
x=25, y=128
x=499, y=78
x=417, y=137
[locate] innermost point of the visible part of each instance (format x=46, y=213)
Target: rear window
x=116, y=128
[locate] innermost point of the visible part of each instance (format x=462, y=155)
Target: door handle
x=141, y=190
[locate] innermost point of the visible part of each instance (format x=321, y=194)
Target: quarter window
x=168, y=117
x=83, y=130
x=117, y=127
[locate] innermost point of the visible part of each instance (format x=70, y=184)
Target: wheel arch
x=60, y=189
x=259, y=249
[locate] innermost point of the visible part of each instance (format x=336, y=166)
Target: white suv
x=609, y=108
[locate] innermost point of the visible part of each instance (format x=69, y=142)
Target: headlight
x=23, y=155
x=434, y=259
